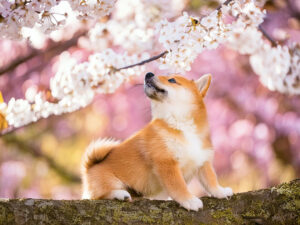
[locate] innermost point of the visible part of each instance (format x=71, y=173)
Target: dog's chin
x=155, y=93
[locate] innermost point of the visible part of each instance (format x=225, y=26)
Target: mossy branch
x=278, y=205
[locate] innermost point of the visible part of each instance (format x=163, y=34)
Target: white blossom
x=19, y=112
x=132, y=24
x=292, y=79
x=247, y=40
x=278, y=68
x=92, y=8
x=31, y=93
x=211, y=20
x=273, y=68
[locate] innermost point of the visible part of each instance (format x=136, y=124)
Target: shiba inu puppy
x=161, y=158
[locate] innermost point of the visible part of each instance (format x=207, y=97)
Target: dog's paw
x=222, y=192
x=120, y=195
x=193, y=203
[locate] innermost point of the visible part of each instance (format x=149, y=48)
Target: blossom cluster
x=188, y=36
x=184, y=41
x=47, y=15
x=132, y=24
x=73, y=87
x=278, y=67
x=87, y=9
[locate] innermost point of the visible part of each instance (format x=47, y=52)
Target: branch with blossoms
x=45, y=101
x=75, y=84
x=277, y=66
x=47, y=15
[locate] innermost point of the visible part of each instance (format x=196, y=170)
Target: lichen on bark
x=277, y=205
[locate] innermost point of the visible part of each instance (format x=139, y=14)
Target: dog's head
x=175, y=93
x=175, y=89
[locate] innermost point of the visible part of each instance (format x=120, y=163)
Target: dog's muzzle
x=151, y=88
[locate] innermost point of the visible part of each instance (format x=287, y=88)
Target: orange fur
x=164, y=155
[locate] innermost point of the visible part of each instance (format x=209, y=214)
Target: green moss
x=167, y=218
x=291, y=189
x=154, y=210
x=6, y=216
x=118, y=214
x=2, y=215
x=164, y=205
x=289, y=206
x=257, y=209
x=147, y=219
x=226, y=216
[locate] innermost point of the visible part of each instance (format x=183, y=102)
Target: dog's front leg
x=209, y=181
x=171, y=178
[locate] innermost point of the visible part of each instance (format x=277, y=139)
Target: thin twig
x=225, y=3
x=273, y=42
x=144, y=61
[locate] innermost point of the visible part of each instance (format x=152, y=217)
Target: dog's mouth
x=151, y=84
x=153, y=91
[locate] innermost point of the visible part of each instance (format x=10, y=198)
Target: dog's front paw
x=120, y=195
x=193, y=203
x=222, y=192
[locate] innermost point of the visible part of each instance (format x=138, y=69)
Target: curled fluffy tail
x=97, y=151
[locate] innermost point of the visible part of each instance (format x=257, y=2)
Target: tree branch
x=294, y=10
x=37, y=153
x=278, y=205
x=19, y=61
x=52, y=50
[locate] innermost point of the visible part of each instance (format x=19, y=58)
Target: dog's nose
x=149, y=75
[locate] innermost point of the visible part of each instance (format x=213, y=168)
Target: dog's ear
x=203, y=84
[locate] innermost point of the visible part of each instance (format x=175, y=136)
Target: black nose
x=149, y=75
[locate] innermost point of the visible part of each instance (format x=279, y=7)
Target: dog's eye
x=172, y=80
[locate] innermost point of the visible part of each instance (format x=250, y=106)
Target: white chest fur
x=189, y=151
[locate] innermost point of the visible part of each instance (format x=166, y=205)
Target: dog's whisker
x=136, y=86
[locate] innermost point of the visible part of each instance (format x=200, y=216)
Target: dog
x=161, y=158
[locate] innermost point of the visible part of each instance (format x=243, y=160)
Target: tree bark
x=277, y=205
